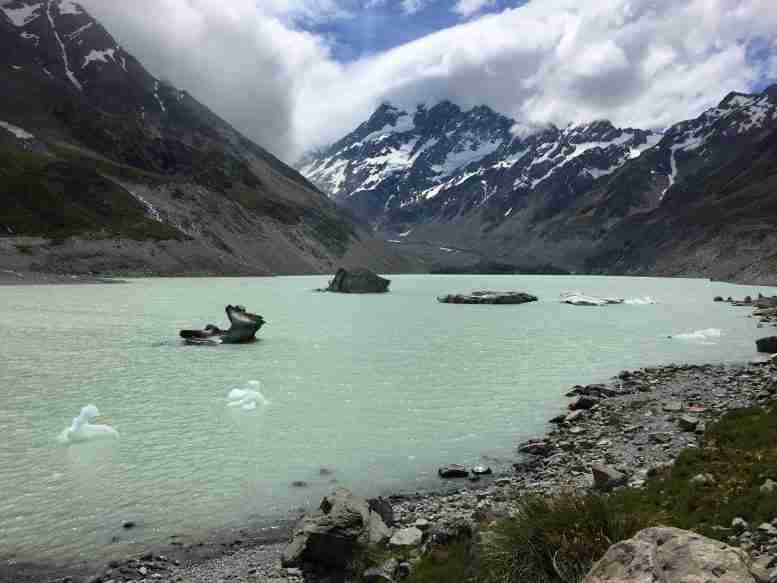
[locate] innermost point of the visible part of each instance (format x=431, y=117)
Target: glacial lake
x=379, y=390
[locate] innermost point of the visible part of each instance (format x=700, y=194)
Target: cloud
x=467, y=8
x=644, y=63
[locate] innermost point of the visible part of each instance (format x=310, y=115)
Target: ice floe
x=248, y=398
x=82, y=428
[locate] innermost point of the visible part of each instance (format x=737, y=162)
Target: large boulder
x=768, y=344
x=607, y=478
x=343, y=524
x=488, y=297
x=661, y=554
x=358, y=281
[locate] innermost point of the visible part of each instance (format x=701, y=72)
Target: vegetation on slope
x=55, y=198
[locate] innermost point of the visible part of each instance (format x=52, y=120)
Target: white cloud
x=646, y=63
x=413, y=6
x=467, y=8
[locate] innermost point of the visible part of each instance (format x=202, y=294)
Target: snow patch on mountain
x=472, y=151
x=69, y=7
x=22, y=16
x=16, y=131
x=101, y=56
x=68, y=72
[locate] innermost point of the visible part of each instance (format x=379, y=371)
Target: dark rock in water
x=768, y=344
x=324, y=472
x=128, y=524
x=382, y=508
x=299, y=484
x=606, y=478
x=243, y=328
x=718, y=299
x=358, y=281
x=488, y=297
x=453, y=471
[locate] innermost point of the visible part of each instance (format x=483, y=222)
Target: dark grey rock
x=768, y=344
x=382, y=508
x=584, y=402
x=607, y=478
x=488, y=297
x=358, y=281
x=453, y=471
x=688, y=423
x=537, y=447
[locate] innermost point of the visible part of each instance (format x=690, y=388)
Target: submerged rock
x=671, y=554
x=488, y=297
x=358, y=281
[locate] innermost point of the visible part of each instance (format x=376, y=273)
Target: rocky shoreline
x=637, y=422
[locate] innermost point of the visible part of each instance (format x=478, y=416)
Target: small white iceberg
x=247, y=399
x=701, y=336
x=578, y=299
x=647, y=300
x=82, y=428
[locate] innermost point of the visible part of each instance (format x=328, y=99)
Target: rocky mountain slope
x=105, y=168
x=469, y=188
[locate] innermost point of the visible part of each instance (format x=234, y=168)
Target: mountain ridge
x=549, y=197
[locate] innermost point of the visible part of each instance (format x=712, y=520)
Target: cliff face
x=466, y=189
x=107, y=169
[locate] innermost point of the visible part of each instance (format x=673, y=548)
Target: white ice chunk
x=82, y=428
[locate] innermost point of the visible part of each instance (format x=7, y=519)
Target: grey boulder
x=768, y=344
x=607, y=478
x=330, y=537
x=488, y=297
x=661, y=554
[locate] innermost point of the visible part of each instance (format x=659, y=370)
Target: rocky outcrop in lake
x=358, y=281
x=488, y=297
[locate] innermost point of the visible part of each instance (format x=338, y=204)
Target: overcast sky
x=298, y=74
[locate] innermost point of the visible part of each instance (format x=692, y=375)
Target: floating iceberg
x=83, y=430
x=247, y=399
x=703, y=336
x=647, y=300
x=578, y=299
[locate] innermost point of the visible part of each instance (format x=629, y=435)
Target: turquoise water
x=380, y=390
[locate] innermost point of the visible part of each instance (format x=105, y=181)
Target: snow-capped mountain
x=94, y=148
x=474, y=181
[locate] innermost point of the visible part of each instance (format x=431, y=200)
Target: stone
x=660, y=437
x=383, y=508
x=575, y=415
x=452, y=529
x=739, y=524
x=768, y=344
x=702, y=479
x=688, y=422
x=453, y=471
x=584, y=402
x=422, y=524
x=717, y=299
x=488, y=297
x=537, y=447
x=768, y=487
x=607, y=478
x=330, y=536
x=128, y=524
x=482, y=471
x=670, y=554
x=767, y=529
x=407, y=537
x=358, y=281
x=385, y=573
x=673, y=406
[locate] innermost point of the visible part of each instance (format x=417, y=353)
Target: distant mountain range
x=473, y=190
x=105, y=168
